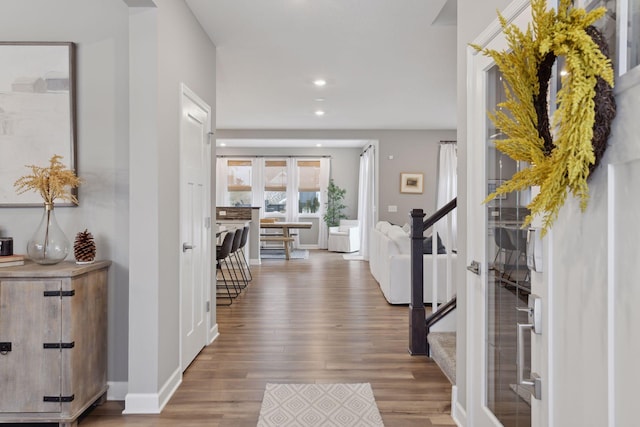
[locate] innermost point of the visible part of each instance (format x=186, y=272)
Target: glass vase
x=48, y=245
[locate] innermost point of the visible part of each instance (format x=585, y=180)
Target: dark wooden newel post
x=417, y=325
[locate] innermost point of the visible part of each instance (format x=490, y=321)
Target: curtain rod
x=253, y=156
x=366, y=149
x=448, y=142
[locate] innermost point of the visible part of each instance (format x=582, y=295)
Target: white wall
x=412, y=150
x=99, y=29
x=473, y=18
x=184, y=55
x=578, y=292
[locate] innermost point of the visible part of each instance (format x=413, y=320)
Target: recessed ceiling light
x=320, y=99
x=319, y=113
x=318, y=145
x=222, y=144
x=319, y=82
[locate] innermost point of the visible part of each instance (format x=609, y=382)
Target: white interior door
x=195, y=167
x=498, y=281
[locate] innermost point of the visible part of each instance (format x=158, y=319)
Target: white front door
x=195, y=167
x=498, y=281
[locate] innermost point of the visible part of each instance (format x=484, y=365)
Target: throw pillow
x=427, y=243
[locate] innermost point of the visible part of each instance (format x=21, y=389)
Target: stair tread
x=443, y=352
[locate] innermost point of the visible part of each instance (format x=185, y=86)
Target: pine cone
x=84, y=248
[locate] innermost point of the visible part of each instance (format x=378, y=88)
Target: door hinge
x=208, y=305
x=207, y=222
x=60, y=293
x=59, y=398
x=59, y=345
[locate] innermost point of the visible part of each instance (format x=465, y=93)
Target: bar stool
x=243, y=243
x=222, y=253
x=242, y=280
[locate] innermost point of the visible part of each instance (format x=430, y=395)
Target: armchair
x=345, y=237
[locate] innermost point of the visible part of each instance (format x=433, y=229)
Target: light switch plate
x=393, y=208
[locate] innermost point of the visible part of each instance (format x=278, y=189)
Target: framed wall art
x=37, y=112
x=411, y=182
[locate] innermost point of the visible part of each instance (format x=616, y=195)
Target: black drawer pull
x=59, y=344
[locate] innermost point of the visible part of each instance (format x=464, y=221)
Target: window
x=308, y=186
x=239, y=182
x=607, y=26
x=275, y=186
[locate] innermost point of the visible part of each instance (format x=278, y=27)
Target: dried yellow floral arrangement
x=53, y=182
x=581, y=123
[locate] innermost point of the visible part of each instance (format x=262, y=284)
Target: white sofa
x=390, y=265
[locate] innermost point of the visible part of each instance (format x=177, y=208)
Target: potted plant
x=334, y=206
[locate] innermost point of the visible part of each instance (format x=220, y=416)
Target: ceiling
x=387, y=64
x=291, y=143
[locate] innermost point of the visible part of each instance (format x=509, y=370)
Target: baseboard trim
x=141, y=403
x=153, y=403
x=458, y=413
x=213, y=334
x=309, y=247
x=255, y=261
x=117, y=390
x=170, y=387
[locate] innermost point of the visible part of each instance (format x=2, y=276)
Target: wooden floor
x=319, y=320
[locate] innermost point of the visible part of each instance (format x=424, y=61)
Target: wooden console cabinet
x=53, y=341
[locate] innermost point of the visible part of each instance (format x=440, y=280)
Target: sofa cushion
x=427, y=245
x=385, y=227
x=401, y=239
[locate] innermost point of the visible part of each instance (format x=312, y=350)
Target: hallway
x=320, y=320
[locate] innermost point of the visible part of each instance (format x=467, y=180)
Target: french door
x=499, y=281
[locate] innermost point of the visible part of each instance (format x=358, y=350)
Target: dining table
x=285, y=237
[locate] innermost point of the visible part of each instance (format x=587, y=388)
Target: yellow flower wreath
x=563, y=163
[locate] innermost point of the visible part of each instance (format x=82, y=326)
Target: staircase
x=434, y=335
x=443, y=352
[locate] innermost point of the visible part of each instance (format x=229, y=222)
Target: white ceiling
x=291, y=143
x=388, y=66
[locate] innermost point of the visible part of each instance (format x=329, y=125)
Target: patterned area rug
x=279, y=254
x=326, y=405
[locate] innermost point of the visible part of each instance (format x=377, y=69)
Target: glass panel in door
x=508, y=279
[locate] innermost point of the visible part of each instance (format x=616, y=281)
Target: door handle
x=535, y=379
x=474, y=267
x=186, y=247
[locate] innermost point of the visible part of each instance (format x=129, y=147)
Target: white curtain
x=293, y=196
x=323, y=230
x=366, y=199
x=257, y=184
x=222, y=176
x=448, y=187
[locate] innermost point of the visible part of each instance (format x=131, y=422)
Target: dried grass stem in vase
x=53, y=182
x=49, y=245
